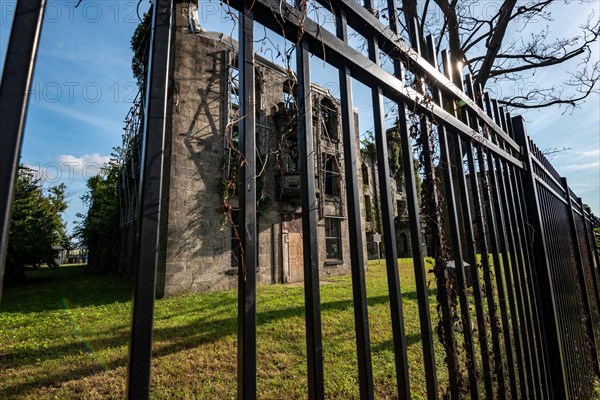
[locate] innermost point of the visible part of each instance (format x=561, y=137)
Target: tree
x=36, y=225
x=99, y=228
x=477, y=35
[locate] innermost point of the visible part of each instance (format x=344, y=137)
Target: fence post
x=310, y=245
x=546, y=301
x=14, y=98
x=416, y=236
x=247, y=189
x=359, y=295
x=147, y=243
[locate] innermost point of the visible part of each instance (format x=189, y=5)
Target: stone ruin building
x=200, y=248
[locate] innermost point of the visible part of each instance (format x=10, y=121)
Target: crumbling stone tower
x=200, y=249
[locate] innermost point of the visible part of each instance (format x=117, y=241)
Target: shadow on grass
x=214, y=318
x=388, y=345
x=44, y=288
x=167, y=340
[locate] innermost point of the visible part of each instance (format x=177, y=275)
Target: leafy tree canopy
x=99, y=228
x=36, y=225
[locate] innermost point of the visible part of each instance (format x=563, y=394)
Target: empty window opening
x=368, y=210
x=333, y=239
x=329, y=119
x=401, y=205
x=331, y=172
x=399, y=184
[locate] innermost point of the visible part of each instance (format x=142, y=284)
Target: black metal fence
x=528, y=306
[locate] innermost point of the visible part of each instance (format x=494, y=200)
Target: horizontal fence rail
x=507, y=248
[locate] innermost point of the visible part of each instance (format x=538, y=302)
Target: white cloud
x=85, y=163
x=578, y=167
x=69, y=169
x=590, y=153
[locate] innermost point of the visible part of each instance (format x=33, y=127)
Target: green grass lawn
x=65, y=334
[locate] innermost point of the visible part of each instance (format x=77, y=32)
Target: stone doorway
x=293, y=257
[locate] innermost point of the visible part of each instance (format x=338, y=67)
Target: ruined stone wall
x=197, y=245
x=198, y=250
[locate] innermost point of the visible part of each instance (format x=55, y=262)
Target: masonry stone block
x=200, y=248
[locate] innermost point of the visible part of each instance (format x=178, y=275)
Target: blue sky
x=81, y=92
x=83, y=88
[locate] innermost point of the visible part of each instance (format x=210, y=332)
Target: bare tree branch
x=584, y=82
x=424, y=15
x=449, y=10
x=495, y=41
x=546, y=63
x=478, y=36
x=441, y=36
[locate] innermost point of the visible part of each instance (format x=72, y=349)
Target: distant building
x=70, y=256
x=372, y=213
x=61, y=255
